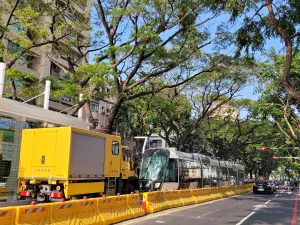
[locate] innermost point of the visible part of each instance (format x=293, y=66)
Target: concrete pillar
x=2, y=76
x=80, y=111
x=47, y=94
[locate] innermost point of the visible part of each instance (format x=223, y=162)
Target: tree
x=207, y=94
x=239, y=137
x=148, y=40
x=33, y=28
x=276, y=106
x=271, y=19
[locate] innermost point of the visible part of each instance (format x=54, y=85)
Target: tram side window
x=172, y=171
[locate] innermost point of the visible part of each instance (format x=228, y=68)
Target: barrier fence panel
x=177, y=201
x=161, y=200
x=186, y=197
x=152, y=204
x=63, y=213
x=205, y=193
x=123, y=212
x=87, y=212
x=8, y=215
x=33, y=214
x=133, y=202
x=106, y=210
x=114, y=209
x=215, y=194
x=169, y=199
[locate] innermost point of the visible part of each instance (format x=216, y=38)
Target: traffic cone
x=144, y=206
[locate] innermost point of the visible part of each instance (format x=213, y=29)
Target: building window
x=32, y=62
x=55, y=69
x=15, y=24
x=115, y=148
x=95, y=107
x=155, y=143
x=15, y=48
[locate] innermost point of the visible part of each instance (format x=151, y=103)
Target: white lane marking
x=220, y=209
x=267, y=202
x=281, y=192
x=276, y=196
x=159, y=221
x=199, y=217
x=243, y=220
x=289, y=193
x=257, y=207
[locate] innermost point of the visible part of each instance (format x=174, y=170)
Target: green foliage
x=27, y=81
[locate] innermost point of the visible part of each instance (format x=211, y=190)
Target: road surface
x=255, y=209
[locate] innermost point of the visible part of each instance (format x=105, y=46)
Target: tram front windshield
x=155, y=162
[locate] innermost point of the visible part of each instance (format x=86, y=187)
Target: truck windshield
x=155, y=162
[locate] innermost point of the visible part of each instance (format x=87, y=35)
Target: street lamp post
x=145, y=142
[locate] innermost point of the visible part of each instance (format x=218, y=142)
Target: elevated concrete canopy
x=32, y=113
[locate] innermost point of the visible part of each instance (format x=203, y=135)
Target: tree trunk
x=114, y=111
x=89, y=115
x=286, y=83
x=251, y=172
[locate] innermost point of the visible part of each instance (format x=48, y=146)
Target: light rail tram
x=169, y=169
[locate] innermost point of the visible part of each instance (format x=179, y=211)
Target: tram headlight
x=157, y=185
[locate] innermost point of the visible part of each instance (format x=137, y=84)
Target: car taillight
x=56, y=195
x=25, y=194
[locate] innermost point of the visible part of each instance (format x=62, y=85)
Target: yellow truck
x=69, y=163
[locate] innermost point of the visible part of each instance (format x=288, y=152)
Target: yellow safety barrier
x=226, y=191
x=33, y=214
x=105, y=208
x=250, y=187
x=109, y=210
x=161, y=200
x=133, y=202
x=122, y=210
x=63, y=213
x=206, y=196
x=177, y=201
x=7, y=215
x=186, y=197
x=152, y=204
x=169, y=199
x=214, y=193
x=87, y=212
x=172, y=199
x=196, y=193
x=233, y=190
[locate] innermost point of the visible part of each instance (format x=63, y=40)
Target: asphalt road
x=277, y=209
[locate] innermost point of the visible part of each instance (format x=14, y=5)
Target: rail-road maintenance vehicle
x=69, y=163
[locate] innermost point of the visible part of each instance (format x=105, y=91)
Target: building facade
x=44, y=61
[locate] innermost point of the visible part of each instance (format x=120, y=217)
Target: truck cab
x=130, y=182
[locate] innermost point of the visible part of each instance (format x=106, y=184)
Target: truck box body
x=66, y=153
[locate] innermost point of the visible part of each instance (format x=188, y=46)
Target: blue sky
x=249, y=90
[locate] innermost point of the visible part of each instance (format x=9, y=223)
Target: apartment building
x=225, y=111
x=44, y=61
